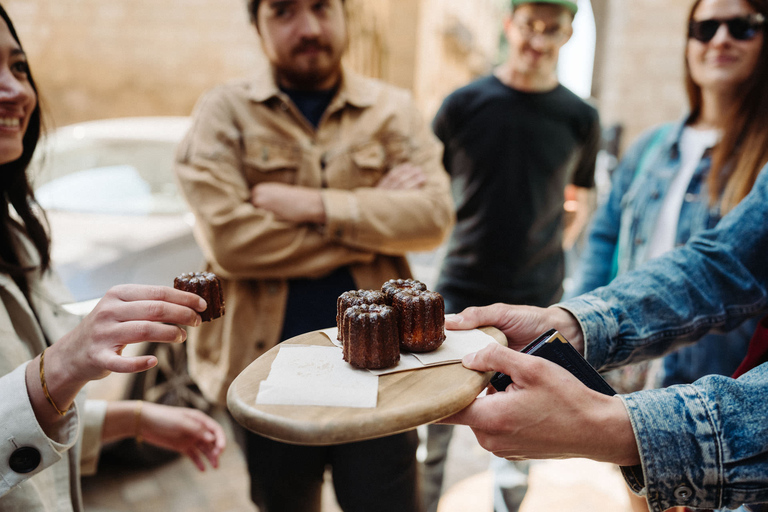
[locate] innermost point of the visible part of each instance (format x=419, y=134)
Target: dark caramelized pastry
x=207, y=286
x=370, y=336
x=355, y=298
x=421, y=316
x=391, y=287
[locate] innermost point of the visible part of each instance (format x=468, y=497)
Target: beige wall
x=458, y=41
x=641, y=70
x=96, y=59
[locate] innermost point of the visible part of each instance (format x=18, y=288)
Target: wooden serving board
x=405, y=400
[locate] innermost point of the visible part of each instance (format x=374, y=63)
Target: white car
x=115, y=211
x=116, y=216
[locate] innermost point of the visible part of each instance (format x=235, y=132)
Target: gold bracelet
x=45, y=386
x=137, y=421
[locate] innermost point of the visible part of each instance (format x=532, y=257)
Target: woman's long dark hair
x=17, y=193
x=743, y=150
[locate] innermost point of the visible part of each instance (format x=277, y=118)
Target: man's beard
x=307, y=79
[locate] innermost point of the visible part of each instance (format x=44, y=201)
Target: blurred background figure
x=513, y=141
x=307, y=182
x=681, y=178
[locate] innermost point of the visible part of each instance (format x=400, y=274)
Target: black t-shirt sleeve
x=441, y=126
x=584, y=174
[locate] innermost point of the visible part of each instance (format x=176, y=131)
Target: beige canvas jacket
x=54, y=484
x=250, y=132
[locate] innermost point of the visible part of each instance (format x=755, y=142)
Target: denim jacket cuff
x=680, y=464
x=597, y=324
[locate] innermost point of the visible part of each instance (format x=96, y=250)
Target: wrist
x=619, y=445
x=567, y=324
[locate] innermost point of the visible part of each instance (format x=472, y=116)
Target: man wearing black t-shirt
x=513, y=141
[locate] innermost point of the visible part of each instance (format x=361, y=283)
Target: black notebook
x=552, y=346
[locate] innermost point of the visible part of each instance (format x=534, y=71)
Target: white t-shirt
x=693, y=144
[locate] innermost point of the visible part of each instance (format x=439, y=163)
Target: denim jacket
x=624, y=225
x=702, y=445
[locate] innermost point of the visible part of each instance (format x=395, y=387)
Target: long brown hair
x=16, y=192
x=743, y=149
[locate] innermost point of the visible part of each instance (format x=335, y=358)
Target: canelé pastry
x=207, y=286
x=421, y=316
x=370, y=336
x=391, y=287
x=355, y=298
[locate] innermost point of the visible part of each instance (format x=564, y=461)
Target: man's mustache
x=310, y=45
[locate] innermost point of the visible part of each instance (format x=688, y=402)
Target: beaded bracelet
x=45, y=386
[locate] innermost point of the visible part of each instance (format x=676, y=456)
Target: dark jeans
x=368, y=476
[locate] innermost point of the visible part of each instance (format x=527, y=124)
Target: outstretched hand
x=127, y=314
x=187, y=431
x=546, y=413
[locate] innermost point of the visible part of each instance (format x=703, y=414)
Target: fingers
x=119, y=364
x=156, y=311
x=403, y=177
x=474, y=317
x=135, y=292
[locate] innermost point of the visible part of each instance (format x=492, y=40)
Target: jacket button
x=655, y=194
x=689, y=198
x=24, y=460
x=261, y=345
x=683, y=493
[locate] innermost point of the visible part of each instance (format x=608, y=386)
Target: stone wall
x=97, y=59
x=639, y=79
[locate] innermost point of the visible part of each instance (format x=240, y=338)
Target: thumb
x=494, y=357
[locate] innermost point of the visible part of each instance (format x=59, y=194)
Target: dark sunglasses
x=742, y=28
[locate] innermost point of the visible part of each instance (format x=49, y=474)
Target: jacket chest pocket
x=373, y=159
x=271, y=161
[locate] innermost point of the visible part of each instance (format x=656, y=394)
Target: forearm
x=62, y=390
x=389, y=221
x=702, y=445
x=122, y=420
x=718, y=279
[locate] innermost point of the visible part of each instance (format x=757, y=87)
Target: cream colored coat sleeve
x=19, y=428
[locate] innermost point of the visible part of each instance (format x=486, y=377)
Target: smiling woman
x=50, y=432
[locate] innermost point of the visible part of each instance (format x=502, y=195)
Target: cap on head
x=571, y=6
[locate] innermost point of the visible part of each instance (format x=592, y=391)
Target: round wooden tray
x=405, y=400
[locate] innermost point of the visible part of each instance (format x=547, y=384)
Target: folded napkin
x=312, y=375
x=457, y=344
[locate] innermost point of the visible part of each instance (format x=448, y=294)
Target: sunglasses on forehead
x=741, y=28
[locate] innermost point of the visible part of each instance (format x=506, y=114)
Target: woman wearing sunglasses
x=48, y=431
x=681, y=178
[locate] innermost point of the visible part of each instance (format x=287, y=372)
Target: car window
x=125, y=177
